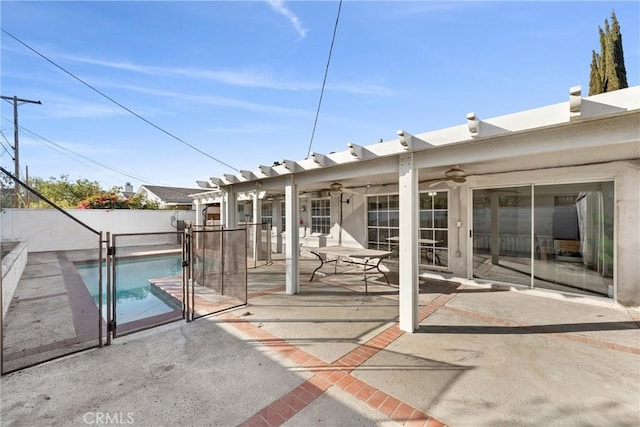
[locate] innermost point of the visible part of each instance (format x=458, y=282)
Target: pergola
x=560, y=135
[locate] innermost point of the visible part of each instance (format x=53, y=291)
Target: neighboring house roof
x=177, y=195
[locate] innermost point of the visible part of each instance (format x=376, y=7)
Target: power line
x=324, y=81
x=110, y=168
x=119, y=104
x=16, y=146
x=8, y=143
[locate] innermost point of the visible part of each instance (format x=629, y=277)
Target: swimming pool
x=136, y=298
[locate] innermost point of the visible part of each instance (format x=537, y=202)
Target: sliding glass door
x=574, y=238
x=556, y=237
x=502, y=235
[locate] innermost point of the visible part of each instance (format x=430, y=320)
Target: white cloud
x=234, y=78
x=279, y=7
x=219, y=101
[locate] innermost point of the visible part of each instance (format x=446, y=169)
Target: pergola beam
x=410, y=142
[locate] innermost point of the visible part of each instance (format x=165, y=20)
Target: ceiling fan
x=452, y=177
x=335, y=189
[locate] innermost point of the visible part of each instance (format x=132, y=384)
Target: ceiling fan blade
x=438, y=182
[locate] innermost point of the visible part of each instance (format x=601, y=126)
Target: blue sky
x=241, y=80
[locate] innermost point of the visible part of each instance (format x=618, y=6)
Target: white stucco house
x=169, y=197
x=544, y=199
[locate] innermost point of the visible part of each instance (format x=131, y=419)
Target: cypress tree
x=595, y=79
x=617, y=72
x=608, y=72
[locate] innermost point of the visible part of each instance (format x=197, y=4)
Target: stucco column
x=223, y=209
x=408, y=262
x=292, y=252
x=198, y=205
x=231, y=208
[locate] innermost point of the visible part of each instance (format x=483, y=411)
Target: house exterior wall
x=624, y=174
x=350, y=235
x=151, y=196
x=626, y=178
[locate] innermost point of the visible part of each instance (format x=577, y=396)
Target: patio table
x=369, y=258
x=427, y=248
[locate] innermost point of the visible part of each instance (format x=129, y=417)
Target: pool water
x=135, y=297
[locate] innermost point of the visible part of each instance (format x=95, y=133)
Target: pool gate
x=47, y=310
x=144, y=275
x=217, y=270
x=66, y=287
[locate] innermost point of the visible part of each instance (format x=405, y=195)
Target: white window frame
x=391, y=231
x=267, y=212
x=320, y=229
x=436, y=261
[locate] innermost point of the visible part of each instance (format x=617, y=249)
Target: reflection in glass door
x=502, y=235
x=574, y=237
x=570, y=246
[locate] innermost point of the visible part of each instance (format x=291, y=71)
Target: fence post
x=100, y=255
x=109, y=285
x=268, y=248
x=187, y=253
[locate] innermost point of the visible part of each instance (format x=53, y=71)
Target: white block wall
x=49, y=229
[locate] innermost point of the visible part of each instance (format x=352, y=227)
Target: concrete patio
x=334, y=356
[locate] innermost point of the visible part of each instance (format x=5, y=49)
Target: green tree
x=111, y=200
x=6, y=191
x=63, y=192
x=608, y=72
x=138, y=201
x=81, y=193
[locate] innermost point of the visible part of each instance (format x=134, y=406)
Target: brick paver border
x=339, y=373
x=336, y=374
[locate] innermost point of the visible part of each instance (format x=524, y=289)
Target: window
x=267, y=212
x=245, y=210
x=383, y=221
x=434, y=228
x=321, y=216
x=283, y=216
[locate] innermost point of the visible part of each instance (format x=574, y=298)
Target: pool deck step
x=205, y=300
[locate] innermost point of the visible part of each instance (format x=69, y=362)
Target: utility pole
x=15, y=100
